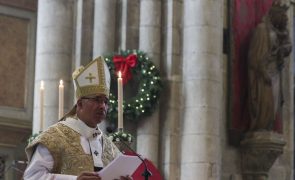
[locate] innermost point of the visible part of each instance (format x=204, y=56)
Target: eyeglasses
x=99, y=100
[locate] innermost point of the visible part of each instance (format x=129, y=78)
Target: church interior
x=208, y=89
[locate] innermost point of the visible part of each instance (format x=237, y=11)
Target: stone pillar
x=104, y=31
x=104, y=27
x=129, y=23
x=84, y=32
x=202, y=86
x=150, y=42
x=259, y=152
x=53, y=56
x=171, y=108
x=133, y=24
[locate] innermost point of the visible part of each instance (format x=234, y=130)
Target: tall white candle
x=120, y=102
x=41, y=105
x=60, y=99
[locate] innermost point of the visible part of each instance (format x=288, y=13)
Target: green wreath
x=138, y=67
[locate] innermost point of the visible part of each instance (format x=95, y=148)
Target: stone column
x=202, y=86
x=171, y=108
x=84, y=32
x=104, y=27
x=53, y=56
x=129, y=24
x=133, y=24
x=104, y=31
x=150, y=42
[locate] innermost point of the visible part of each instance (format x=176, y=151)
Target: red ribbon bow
x=124, y=65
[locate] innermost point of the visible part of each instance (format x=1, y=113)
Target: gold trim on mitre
x=92, y=79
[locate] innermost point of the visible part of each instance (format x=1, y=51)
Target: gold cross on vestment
x=90, y=77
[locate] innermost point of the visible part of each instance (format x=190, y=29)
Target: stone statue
x=269, y=47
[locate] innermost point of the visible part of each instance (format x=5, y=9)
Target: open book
x=123, y=165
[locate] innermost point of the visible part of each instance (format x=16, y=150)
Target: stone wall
x=17, y=62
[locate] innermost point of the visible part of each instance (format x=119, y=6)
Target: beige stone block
x=104, y=27
x=150, y=13
x=149, y=125
x=132, y=38
x=202, y=93
x=170, y=149
x=209, y=39
x=155, y=57
x=171, y=67
x=172, y=40
x=200, y=61
x=53, y=66
x=231, y=159
x=50, y=115
x=149, y=39
x=14, y=61
x=147, y=145
x=133, y=11
x=203, y=12
x=171, y=171
x=199, y=148
x=202, y=120
x=278, y=173
x=172, y=13
x=54, y=40
x=226, y=176
x=173, y=93
x=104, y=40
x=170, y=133
x=132, y=25
x=203, y=65
x=203, y=171
x=59, y=11
x=104, y=13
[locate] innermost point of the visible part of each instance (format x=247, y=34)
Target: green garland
x=147, y=76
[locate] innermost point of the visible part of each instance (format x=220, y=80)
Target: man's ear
x=79, y=102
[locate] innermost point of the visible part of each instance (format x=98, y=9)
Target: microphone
x=146, y=172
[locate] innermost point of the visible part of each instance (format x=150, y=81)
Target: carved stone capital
x=259, y=151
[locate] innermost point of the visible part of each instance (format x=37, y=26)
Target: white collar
x=81, y=128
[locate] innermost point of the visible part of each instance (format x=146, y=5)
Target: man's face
x=93, y=109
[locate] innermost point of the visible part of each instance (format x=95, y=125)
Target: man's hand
x=126, y=178
x=88, y=176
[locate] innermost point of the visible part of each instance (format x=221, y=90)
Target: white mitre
x=93, y=79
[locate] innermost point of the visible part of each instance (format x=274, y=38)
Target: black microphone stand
x=146, y=174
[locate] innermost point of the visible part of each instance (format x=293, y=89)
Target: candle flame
x=119, y=74
x=42, y=85
x=61, y=82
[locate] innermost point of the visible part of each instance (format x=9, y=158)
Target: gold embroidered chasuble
x=69, y=157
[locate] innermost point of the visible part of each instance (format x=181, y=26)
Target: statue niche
x=269, y=47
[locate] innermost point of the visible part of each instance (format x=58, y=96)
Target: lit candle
x=41, y=105
x=60, y=99
x=120, y=102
